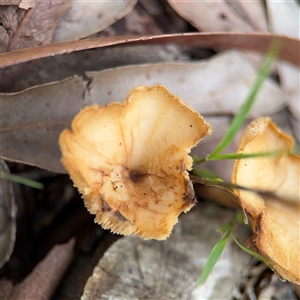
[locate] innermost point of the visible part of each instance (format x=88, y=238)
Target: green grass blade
x=239, y=217
x=238, y=120
x=21, y=180
x=206, y=174
x=225, y=227
x=249, y=251
x=197, y=161
x=214, y=257
x=248, y=155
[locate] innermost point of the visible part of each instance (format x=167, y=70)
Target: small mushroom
x=275, y=222
x=130, y=160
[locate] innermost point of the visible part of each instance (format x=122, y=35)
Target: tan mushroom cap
x=130, y=160
x=276, y=223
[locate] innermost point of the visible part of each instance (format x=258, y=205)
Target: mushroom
x=275, y=222
x=130, y=160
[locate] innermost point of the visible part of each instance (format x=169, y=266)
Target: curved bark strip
x=257, y=42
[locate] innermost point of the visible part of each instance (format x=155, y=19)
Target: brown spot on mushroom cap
x=121, y=152
x=136, y=176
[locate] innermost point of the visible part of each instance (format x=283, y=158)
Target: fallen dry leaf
x=10, y=18
x=48, y=109
x=141, y=21
x=10, y=2
x=225, y=16
x=130, y=160
x=38, y=24
x=27, y=29
x=209, y=85
x=275, y=222
x=24, y=4
x=86, y=18
x=256, y=42
x=7, y=216
x=39, y=122
x=6, y=288
x=41, y=283
x=251, y=11
x=50, y=69
x=207, y=16
x=284, y=19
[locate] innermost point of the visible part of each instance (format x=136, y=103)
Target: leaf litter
x=49, y=108
x=275, y=17
x=27, y=29
x=42, y=281
x=8, y=212
x=190, y=41
x=256, y=42
x=86, y=18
